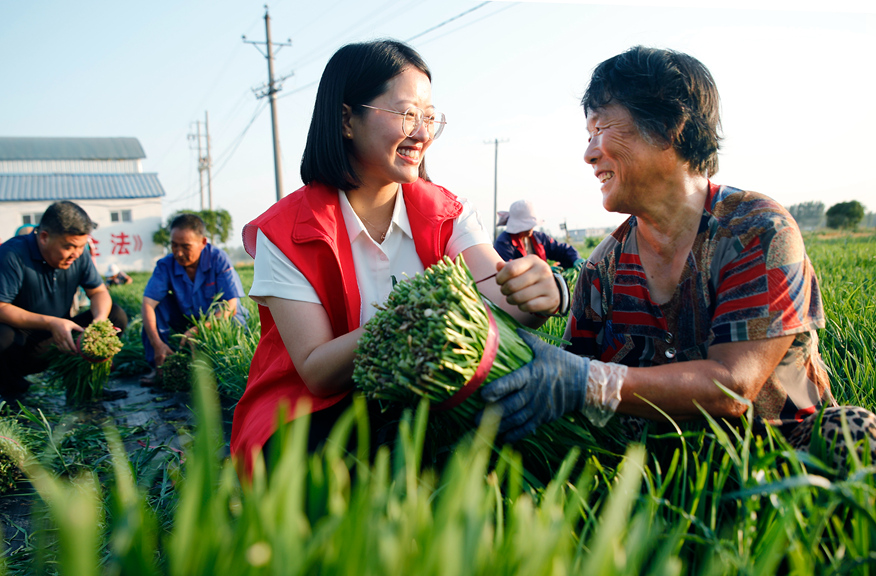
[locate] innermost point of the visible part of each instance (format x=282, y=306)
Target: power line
x=229, y=152
x=223, y=69
x=226, y=155
x=469, y=11
x=234, y=111
x=316, y=19
x=467, y=24
x=316, y=53
x=241, y=135
x=299, y=89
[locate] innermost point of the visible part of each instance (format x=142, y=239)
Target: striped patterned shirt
x=747, y=277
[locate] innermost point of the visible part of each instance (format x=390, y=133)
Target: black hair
x=66, y=218
x=670, y=95
x=188, y=221
x=355, y=75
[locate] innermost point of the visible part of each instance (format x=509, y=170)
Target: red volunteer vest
x=308, y=227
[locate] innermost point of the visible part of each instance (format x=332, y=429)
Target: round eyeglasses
x=413, y=118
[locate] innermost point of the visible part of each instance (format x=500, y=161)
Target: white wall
x=128, y=244
x=11, y=212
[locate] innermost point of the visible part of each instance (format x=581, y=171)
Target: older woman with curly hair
x=703, y=283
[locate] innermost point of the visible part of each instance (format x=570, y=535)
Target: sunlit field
x=695, y=499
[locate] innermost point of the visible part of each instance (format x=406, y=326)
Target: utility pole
x=496, y=143
x=205, y=162
x=270, y=90
x=208, y=161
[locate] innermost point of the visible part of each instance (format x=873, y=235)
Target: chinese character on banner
x=120, y=243
x=92, y=245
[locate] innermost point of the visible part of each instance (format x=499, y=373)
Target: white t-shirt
x=376, y=264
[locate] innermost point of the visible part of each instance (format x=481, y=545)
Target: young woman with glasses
x=367, y=215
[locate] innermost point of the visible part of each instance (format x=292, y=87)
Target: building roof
x=53, y=187
x=31, y=148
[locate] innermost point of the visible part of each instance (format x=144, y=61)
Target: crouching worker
x=40, y=273
x=702, y=283
x=521, y=238
x=183, y=286
x=115, y=276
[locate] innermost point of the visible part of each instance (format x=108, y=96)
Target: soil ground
x=149, y=416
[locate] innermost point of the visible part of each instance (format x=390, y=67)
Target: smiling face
x=61, y=250
x=628, y=166
x=381, y=153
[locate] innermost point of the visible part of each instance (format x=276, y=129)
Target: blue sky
x=796, y=87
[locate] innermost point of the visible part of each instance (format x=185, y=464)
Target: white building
x=102, y=175
x=583, y=234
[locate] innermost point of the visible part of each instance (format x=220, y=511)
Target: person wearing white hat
x=520, y=237
x=703, y=302
x=115, y=276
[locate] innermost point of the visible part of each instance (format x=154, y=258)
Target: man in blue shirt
x=40, y=273
x=183, y=285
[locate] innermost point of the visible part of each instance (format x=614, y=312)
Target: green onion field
x=700, y=499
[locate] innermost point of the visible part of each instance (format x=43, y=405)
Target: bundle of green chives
x=85, y=373
x=427, y=341
x=12, y=453
x=176, y=372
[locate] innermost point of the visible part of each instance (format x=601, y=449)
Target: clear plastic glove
x=555, y=382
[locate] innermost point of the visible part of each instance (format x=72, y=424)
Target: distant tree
x=162, y=236
x=593, y=241
x=869, y=220
x=218, y=223
x=809, y=215
x=846, y=215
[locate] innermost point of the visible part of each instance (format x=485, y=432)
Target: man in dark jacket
x=520, y=238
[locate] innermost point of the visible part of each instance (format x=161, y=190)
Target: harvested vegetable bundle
x=85, y=373
x=428, y=341
x=12, y=454
x=176, y=372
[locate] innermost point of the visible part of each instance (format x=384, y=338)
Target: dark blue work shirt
x=28, y=282
x=509, y=248
x=215, y=274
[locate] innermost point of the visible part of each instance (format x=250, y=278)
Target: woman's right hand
x=523, y=287
x=529, y=284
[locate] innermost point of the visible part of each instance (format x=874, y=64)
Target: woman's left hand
x=529, y=284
